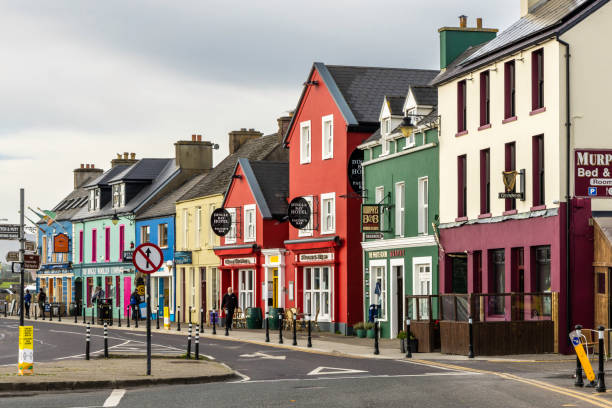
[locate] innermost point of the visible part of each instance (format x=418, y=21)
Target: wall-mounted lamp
x=115, y=219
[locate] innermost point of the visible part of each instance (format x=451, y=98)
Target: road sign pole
x=148, y=325
x=21, y=253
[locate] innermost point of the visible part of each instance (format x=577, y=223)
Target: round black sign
x=221, y=221
x=299, y=212
x=355, y=171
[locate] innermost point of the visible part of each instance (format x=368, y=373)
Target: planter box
x=361, y=333
x=370, y=334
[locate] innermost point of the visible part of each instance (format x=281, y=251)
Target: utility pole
x=21, y=254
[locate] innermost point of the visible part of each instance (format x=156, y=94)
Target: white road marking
x=114, y=399
x=427, y=365
x=263, y=356
x=360, y=376
x=333, y=370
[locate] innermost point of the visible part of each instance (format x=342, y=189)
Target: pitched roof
x=71, y=204
x=396, y=104
x=166, y=205
x=374, y=137
x=551, y=18
x=105, y=177
x=142, y=170
x=217, y=180
x=425, y=95
x=269, y=184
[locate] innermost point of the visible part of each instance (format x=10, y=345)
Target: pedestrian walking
x=230, y=301
x=134, y=301
x=42, y=298
x=27, y=299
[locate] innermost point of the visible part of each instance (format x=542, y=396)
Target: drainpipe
x=567, y=183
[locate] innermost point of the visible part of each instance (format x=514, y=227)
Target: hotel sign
x=593, y=173
x=326, y=256
x=239, y=261
x=370, y=217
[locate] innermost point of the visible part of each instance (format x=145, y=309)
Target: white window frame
x=122, y=194
x=423, y=206
x=379, y=195
x=144, y=228
x=185, y=228
x=400, y=209
x=246, y=295
x=159, y=235
x=325, y=213
x=386, y=126
x=230, y=238
x=385, y=145
x=309, y=294
x=418, y=277
x=198, y=226
x=250, y=229
x=375, y=267
x=305, y=150
x=327, y=141
x=307, y=231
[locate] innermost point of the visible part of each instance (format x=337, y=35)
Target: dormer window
x=386, y=126
x=118, y=195
x=94, y=199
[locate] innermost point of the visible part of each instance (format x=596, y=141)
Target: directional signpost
x=31, y=261
x=9, y=231
x=12, y=256
x=148, y=258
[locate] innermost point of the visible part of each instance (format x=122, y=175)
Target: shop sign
x=327, y=256
x=55, y=266
x=370, y=217
x=299, y=213
x=374, y=235
x=221, y=221
x=396, y=253
x=592, y=174
x=31, y=261
x=510, y=184
x=61, y=243
x=108, y=270
x=239, y=261
x=128, y=256
x=182, y=257
x=355, y=170
x=377, y=254
x=12, y=256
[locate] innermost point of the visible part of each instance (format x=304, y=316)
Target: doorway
x=398, y=307
x=78, y=295
x=275, y=288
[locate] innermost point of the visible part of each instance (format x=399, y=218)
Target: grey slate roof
x=71, y=204
x=551, y=18
x=396, y=104
x=217, y=180
x=165, y=175
x=273, y=179
x=374, y=137
x=364, y=88
x=142, y=170
x=166, y=205
x=425, y=95
x=105, y=177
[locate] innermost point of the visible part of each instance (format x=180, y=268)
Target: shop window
x=163, y=235
x=485, y=181
x=423, y=205
x=328, y=137
x=246, y=287
x=601, y=283
x=305, y=142
x=509, y=90
x=328, y=215
x=485, y=103
x=510, y=165
x=378, y=290
x=498, y=283
x=145, y=233
x=537, y=79
x=538, y=170
x=459, y=273
x=317, y=292
x=461, y=107
x=542, y=278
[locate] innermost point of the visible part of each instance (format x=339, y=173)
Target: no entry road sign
x=148, y=258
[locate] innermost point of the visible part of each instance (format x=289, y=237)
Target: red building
x=339, y=108
x=252, y=253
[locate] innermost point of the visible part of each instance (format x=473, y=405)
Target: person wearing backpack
x=134, y=301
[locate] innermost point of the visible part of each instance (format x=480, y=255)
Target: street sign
x=584, y=360
x=299, y=212
x=12, y=256
x=31, y=261
x=16, y=267
x=26, y=350
x=221, y=221
x=355, y=171
x=30, y=246
x=9, y=231
x=148, y=258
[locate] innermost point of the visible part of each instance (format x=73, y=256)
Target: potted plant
x=369, y=326
x=402, y=338
x=359, y=329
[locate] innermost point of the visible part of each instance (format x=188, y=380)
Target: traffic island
x=127, y=371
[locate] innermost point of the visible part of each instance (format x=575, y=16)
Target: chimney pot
x=463, y=21
x=479, y=22
x=133, y=156
x=92, y=166
x=243, y=129
x=118, y=155
x=125, y=155
x=199, y=138
x=193, y=138
x=82, y=166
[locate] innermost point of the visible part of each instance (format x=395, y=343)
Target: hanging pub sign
x=355, y=171
x=221, y=221
x=370, y=217
x=593, y=173
x=509, y=179
x=299, y=213
x=61, y=243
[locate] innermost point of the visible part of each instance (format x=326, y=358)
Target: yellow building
x=197, y=266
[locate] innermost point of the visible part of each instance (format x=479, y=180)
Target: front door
x=399, y=297
x=127, y=292
x=275, y=288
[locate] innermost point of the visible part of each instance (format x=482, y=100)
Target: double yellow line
x=591, y=399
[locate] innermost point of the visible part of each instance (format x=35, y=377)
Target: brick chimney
x=455, y=40
x=527, y=6
x=283, y=125
x=85, y=173
x=194, y=154
x=126, y=160
x=239, y=137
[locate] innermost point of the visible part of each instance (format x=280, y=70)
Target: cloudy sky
x=83, y=80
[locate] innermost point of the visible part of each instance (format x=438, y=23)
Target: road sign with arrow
x=148, y=258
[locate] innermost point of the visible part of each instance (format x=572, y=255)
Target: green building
x=400, y=180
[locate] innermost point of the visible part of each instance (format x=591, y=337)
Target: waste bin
x=73, y=309
x=274, y=313
x=253, y=318
x=105, y=311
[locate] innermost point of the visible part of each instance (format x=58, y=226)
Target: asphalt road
x=274, y=377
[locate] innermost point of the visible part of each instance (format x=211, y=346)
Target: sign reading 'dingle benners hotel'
x=593, y=173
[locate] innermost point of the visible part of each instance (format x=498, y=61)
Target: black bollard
x=189, y=342
x=36, y=311
x=201, y=320
x=197, y=343
x=471, y=329
x=226, y=327
x=214, y=320
x=601, y=381
x=93, y=309
x=84, y=311
x=59, y=313
x=128, y=315
x=280, y=329
x=157, y=315
x=105, y=340
x=267, y=328
x=579, y=381
x=376, y=351
x=75, y=314
x=51, y=313
x=87, y=339
x=119, y=317
x=178, y=326
x=294, y=330
x=43, y=312
x=136, y=316
x=190, y=313
x=5, y=308
x=309, y=333
x=408, y=347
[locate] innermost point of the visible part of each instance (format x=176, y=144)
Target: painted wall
x=100, y=226
x=154, y=224
x=64, y=227
x=520, y=131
